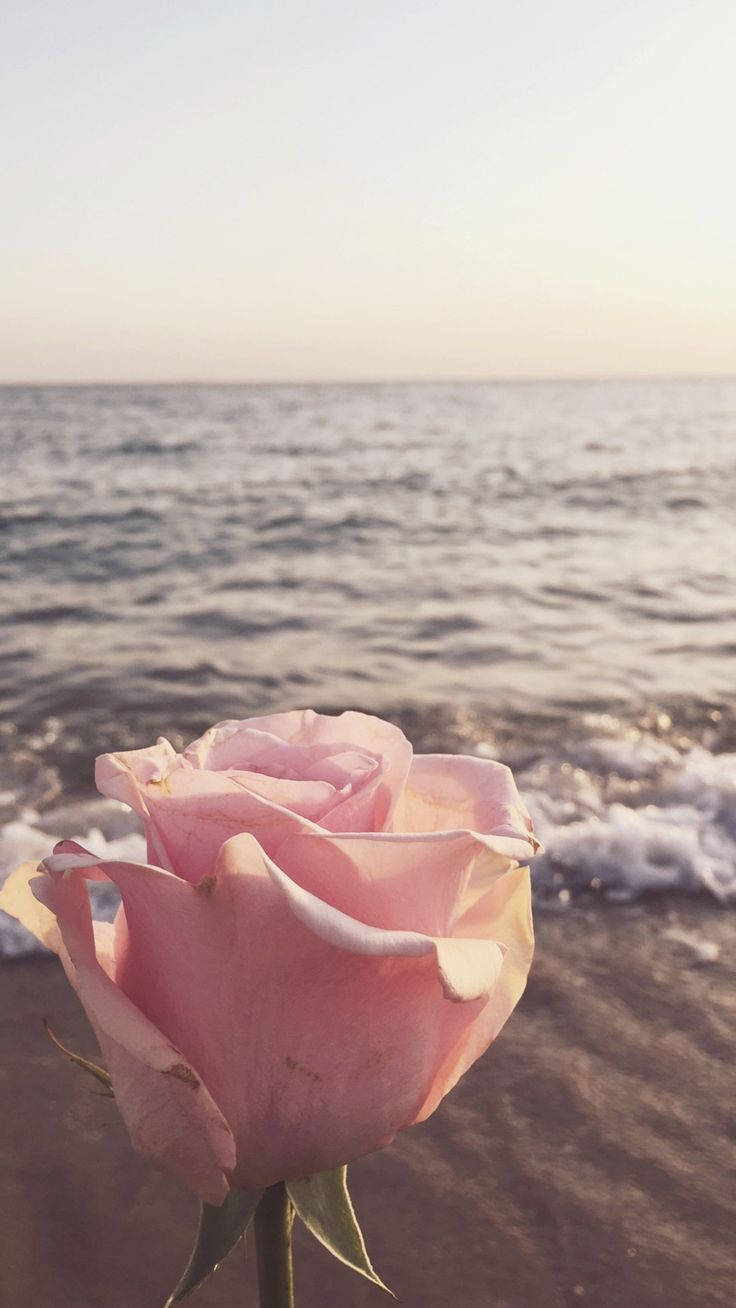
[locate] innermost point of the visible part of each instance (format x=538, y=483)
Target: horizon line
x=496, y=380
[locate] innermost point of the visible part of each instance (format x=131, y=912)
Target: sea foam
x=629, y=815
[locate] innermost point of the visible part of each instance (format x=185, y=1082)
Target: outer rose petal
x=316, y=1053
x=467, y=969
x=192, y=828
x=170, y=1115
x=507, y=909
x=18, y=899
x=125, y=775
x=415, y=882
x=454, y=792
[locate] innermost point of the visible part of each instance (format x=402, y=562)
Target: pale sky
x=386, y=189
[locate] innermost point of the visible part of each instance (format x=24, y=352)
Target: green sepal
x=98, y=1073
x=218, y=1232
x=324, y=1205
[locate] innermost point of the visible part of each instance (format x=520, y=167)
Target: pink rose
x=328, y=933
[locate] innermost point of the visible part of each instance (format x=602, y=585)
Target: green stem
x=272, y=1224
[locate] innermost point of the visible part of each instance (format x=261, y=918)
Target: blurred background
x=386, y=359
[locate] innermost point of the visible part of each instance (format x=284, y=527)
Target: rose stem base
x=272, y=1224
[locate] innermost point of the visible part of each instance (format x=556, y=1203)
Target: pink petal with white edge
x=467, y=969
x=407, y=882
x=169, y=1113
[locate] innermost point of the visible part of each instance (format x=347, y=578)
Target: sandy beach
x=587, y=1159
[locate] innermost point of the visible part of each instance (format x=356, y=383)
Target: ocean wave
x=624, y=816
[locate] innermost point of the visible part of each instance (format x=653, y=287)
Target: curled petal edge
x=467, y=969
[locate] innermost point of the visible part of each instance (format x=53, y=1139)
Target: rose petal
x=454, y=792
x=125, y=775
x=506, y=909
x=467, y=969
x=305, y=798
x=241, y=747
x=17, y=899
x=132, y=776
x=169, y=1113
x=192, y=828
x=416, y=882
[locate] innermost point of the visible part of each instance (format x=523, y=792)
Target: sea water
x=542, y=572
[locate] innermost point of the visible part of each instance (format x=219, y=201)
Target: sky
x=308, y=191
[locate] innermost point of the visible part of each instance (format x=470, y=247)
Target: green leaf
x=218, y=1233
x=98, y=1073
x=323, y=1203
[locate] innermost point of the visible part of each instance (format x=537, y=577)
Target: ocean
x=539, y=572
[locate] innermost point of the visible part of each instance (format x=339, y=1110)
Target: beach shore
x=588, y=1158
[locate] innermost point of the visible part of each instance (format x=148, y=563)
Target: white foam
x=677, y=832
x=635, y=756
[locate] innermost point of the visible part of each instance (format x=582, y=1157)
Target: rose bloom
x=328, y=932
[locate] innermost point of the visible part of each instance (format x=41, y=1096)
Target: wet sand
x=588, y=1158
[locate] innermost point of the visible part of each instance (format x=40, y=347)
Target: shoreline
x=585, y=1159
